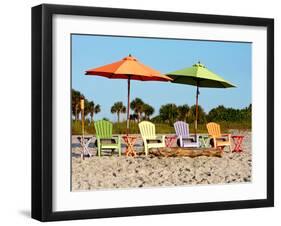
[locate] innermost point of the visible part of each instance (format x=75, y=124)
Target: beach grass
x=161, y=128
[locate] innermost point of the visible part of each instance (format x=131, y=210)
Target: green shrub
x=161, y=128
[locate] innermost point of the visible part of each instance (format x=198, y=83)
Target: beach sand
x=108, y=172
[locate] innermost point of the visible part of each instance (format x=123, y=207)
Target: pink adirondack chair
x=182, y=131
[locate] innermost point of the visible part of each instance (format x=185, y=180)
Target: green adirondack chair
x=104, y=133
x=150, y=139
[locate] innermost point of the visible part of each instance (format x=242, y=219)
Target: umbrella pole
x=82, y=116
x=196, y=109
x=128, y=106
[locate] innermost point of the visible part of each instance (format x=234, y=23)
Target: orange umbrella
x=128, y=68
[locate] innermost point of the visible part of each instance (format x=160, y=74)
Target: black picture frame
x=42, y=111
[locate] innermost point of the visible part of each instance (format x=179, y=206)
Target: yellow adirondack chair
x=220, y=140
x=150, y=140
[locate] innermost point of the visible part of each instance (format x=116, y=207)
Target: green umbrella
x=198, y=75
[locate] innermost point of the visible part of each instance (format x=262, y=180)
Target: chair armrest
x=160, y=137
x=190, y=137
x=229, y=136
x=117, y=138
x=163, y=139
x=195, y=137
x=226, y=135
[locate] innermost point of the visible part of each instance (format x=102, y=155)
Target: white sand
x=124, y=172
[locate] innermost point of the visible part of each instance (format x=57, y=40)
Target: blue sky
x=230, y=60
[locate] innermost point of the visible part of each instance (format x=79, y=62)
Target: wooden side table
x=130, y=142
x=170, y=140
x=84, y=142
x=237, y=139
x=204, y=141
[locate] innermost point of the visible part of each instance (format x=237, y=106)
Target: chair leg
x=119, y=151
x=146, y=150
x=99, y=151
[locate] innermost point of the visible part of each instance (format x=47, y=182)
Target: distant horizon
x=230, y=60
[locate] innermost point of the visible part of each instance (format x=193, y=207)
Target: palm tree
x=137, y=106
x=118, y=108
x=89, y=109
x=168, y=113
x=92, y=109
x=148, y=111
x=183, y=112
x=75, y=102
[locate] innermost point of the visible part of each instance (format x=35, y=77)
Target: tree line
x=141, y=109
x=168, y=113
x=90, y=108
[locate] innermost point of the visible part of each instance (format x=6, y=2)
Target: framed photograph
x=146, y=112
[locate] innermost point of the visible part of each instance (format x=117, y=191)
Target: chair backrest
x=181, y=128
x=147, y=129
x=103, y=129
x=214, y=129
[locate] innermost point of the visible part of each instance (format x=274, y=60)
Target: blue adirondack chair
x=186, y=140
